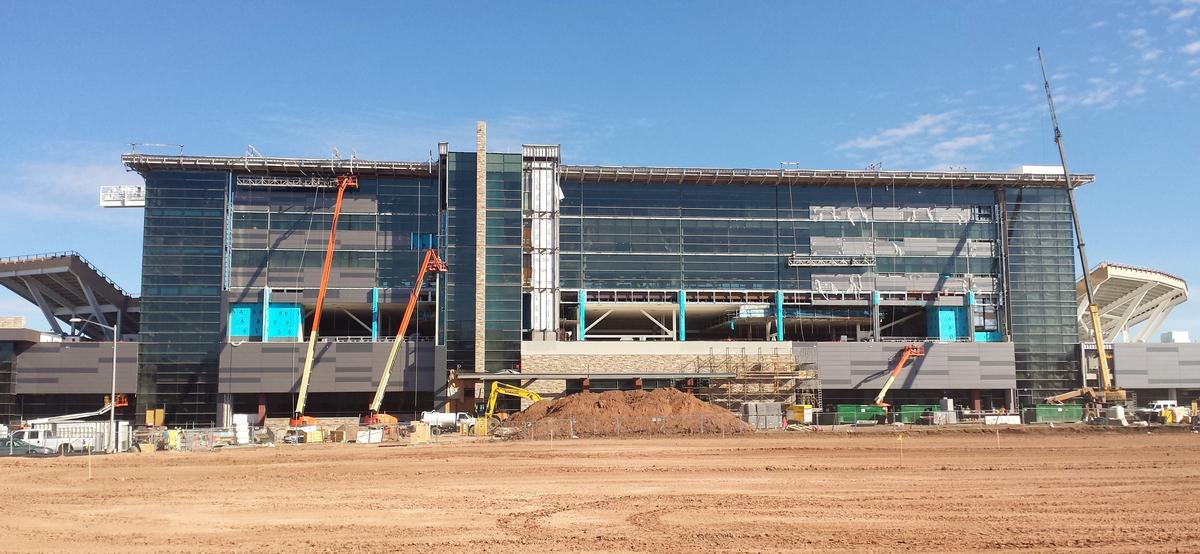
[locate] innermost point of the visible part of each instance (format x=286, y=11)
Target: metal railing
x=63, y=254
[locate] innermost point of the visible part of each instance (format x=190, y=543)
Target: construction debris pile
x=620, y=413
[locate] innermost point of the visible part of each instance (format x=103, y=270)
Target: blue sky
x=840, y=85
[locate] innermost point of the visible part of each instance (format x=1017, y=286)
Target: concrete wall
x=1156, y=365
x=957, y=365
x=76, y=368
x=254, y=367
x=644, y=357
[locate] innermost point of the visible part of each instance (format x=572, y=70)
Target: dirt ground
x=955, y=491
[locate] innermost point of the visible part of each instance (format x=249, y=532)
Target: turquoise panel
x=947, y=323
x=245, y=320
x=988, y=336
x=284, y=321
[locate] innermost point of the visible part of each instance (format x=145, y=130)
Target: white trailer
x=444, y=420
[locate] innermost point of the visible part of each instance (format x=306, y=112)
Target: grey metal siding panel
x=76, y=368
x=852, y=365
x=254, y=367
x=1140, y=366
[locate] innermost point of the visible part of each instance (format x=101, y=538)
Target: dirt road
x=1062, y=490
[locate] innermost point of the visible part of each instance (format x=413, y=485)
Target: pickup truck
x=47, y=439
x=444, y=420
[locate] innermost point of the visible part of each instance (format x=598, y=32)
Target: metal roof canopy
x=1127, y=296
x=65, y=285
x=787, y=176
x=143, y=163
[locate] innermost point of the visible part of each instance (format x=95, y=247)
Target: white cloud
x=1140, y=39
x=1100, y=93
x=1191, y=48
x=1182, y=14
x=952, y=148
x=928, y=124
x=1151, y=55
x=1098, y=24
x=65, y=191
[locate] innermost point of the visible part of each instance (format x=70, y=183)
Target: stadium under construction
x=796, y=285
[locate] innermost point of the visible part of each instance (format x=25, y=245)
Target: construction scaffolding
x=776, y=376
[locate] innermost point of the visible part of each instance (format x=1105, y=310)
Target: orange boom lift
x=298, y=418
x=431, y=264
x=911, y=351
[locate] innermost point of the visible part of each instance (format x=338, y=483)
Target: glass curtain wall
x=671, y=236
x=1041, y=261
x=502, y=300
x=181, y=324
x=459, y=305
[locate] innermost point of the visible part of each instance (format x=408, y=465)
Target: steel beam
x=96, y=311
x=41, y=303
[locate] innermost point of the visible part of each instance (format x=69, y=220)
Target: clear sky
x=745, y=84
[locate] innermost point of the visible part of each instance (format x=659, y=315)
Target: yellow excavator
x=1108, y=391
x=499, y=388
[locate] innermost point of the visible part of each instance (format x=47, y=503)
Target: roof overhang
x=1127, y=296
x=64, y=285
x=820, y=177
x=144, y=163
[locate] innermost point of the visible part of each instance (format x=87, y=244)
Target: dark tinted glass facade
x=458, y=318
x=1041, y=265
x=659, y=236
x=502, y=303
x=182, y=328
x=8, y=398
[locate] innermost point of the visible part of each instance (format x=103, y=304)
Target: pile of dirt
x=618, y=413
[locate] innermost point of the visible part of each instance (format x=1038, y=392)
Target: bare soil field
x=1054, y=490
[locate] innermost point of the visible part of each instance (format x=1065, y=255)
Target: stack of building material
x=241, y=428
x=763, y=415
x=369, y=436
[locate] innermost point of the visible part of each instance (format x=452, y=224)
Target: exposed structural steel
x=542, y=188
x=430, y=264
x=911, y=351
x=144, y=163
x=811, y=177
x=1128, y=296
x=1107, y=392
x=298, y=418
x=65, y=285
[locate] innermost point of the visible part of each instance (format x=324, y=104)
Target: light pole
x=112, y=398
